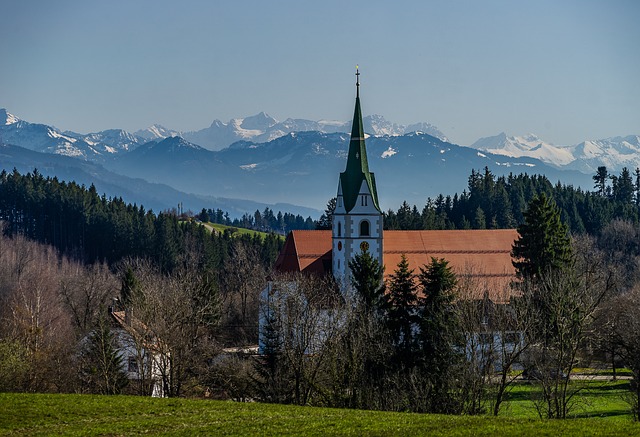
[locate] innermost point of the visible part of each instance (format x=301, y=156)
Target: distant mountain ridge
x=156, y=196
x=587, y=156
x=42, y=138
x=262, y=128
x=302, y=167
x=614, y=153
x=100, y=146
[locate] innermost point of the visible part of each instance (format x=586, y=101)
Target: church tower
x=357, y=218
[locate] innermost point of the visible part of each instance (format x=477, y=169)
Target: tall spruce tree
x=367, y=281
x=402, y=316
x=544, y=243
x=600, y=181
x=102, y=365
x=439, y=335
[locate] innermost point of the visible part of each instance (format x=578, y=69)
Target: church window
x=338, y=264
x=363, y=200
x=364, y=228
x=339, y=229
x=340, y=201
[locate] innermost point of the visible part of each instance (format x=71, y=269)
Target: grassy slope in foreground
x=43, y=414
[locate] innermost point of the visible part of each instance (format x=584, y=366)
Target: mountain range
x=613, y=153
x=262, y=128
x=295, y=161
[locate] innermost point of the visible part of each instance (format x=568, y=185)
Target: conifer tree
x=544, y=243
x=402, y=310
x=367, y=281
x=439, y=334
x=600, y=180
x=103, y=367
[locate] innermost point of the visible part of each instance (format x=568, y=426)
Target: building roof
x=357, y=169
x=481, y=254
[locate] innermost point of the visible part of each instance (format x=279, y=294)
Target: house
x=357, y=226
x=142, y=359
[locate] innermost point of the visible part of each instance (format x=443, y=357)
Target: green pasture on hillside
x=240, y=231
x=47, y=414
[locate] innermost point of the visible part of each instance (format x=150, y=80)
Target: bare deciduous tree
x=303, y=315
x=174, y=318
x=570, y=298
x=243, y=278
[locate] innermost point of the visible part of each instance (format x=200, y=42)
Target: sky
x=567, y=70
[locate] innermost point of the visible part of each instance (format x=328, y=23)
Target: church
x=357, y=225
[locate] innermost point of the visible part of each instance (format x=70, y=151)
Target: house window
x=364, y=228
x=486, y=338
x=512, y=337
x=339, y=229
x=133, y=365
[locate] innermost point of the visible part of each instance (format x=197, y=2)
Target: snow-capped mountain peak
x=155, y=132
x=529, y=145
x=260, y=122
x=7, y=118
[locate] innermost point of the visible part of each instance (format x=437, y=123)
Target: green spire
x=357, y=166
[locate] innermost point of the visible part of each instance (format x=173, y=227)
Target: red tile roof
x=485, y=254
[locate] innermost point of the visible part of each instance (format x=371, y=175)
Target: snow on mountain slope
x=155, y=132
x=614, y=153
x=525, y=146
x=113, y=140
x=47, y=139
x=6, y=118
x=263, y=128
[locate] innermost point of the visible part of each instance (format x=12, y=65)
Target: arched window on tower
x=364, y=228
x=339, y=229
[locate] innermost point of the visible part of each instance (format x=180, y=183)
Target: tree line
x=491, y=202
x=265, y=221
x=81, y=224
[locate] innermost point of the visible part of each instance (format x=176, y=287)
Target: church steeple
x=357, y=219
x=357, y=169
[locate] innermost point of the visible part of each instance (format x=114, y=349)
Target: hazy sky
x=565, y=70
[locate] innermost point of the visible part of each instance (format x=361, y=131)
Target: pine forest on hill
x=499, y=203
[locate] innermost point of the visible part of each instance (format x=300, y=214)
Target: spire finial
x=357, y=81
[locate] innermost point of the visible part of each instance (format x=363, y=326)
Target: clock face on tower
x=364, y=246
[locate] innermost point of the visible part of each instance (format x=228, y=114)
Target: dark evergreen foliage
x=402, y=316
x=85, y=226
x=325, y=220
x=544, y=244
x=103, y=368
x=367, y=280
x=499, y=203
x=265, y=221
x=440, y=334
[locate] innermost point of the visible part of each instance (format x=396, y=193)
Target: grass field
x=596, y=398
x=241, y=231
x=45, y=414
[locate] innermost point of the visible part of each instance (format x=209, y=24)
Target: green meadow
x=600, y=410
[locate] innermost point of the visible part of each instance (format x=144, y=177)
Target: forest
x=421, y=342
x=491, y=202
